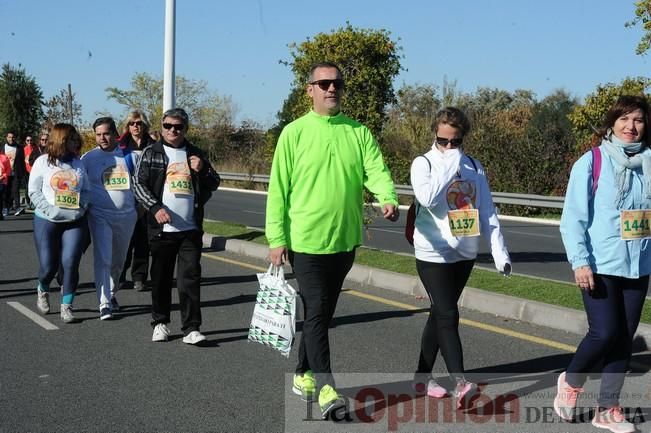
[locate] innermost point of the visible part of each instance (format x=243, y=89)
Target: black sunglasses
x=444, y=141
x=136, y=123
x=177, y=126
x=325, y=84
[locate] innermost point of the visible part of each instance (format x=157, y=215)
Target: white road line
x=531, y=234
x=33, y=316
x=250, y=211
x=386, y=230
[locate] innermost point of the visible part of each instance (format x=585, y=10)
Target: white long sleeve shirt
x=452, y=182
x=109, y=182
x=64, y=180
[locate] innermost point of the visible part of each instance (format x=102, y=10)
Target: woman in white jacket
x=57, y=188
x=454, y=207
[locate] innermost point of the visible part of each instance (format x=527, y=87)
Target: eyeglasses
x=176, y=126
x=136, y=123
x=325, y=84
x=29, y=140
x=43, y=139
x=444, y=141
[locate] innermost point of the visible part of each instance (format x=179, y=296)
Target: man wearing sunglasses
x=173, y=182
x=321, y=165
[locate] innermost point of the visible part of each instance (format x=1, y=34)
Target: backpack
x=596, y=168
x=410, y=226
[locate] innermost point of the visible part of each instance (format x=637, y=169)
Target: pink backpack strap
x=596, y=168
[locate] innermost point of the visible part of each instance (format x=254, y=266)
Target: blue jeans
x=614, y=308
x=63, y=243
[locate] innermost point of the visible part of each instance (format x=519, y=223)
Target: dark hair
x=316, y=66
x=61, y=134
x=106, y=121
x=625, y=104
x=178, y=113
x=451, y=116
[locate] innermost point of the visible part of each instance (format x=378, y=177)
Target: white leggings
x=111, y=235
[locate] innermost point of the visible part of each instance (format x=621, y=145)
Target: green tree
x=643, y=18
x=56, y=109
x=369, y=61
x=205, y=107
x=585, y=118
x=21, y=101
x=408, y=129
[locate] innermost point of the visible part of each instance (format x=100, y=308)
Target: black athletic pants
x=184, y=250
x=320, y=277
x=138, y=253
x=444, y=283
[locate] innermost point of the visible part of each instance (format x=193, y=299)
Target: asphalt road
x=107, y=376
x=536, y=249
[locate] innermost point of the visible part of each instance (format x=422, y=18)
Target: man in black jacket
x=173, y=182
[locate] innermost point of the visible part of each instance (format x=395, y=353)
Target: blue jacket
x=590, y=226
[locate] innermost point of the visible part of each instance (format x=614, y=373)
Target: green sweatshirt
x=315, y=199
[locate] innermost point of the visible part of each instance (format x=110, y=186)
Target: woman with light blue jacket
x=605, y=230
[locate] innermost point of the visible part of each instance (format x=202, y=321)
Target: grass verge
x=550, y=292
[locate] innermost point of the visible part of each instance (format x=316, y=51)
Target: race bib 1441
x=634, y=224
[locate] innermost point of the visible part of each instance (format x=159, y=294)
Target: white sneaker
x=161, y=332
x=194, y=337
x=43, y=302
x=613, y=419
x=66, y=314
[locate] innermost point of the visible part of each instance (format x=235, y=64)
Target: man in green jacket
x=321, y=165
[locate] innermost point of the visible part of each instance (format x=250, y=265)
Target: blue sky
x=236, y=45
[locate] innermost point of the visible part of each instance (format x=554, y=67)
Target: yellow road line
x=472, y=323
x=234, y=262
x=408, y=307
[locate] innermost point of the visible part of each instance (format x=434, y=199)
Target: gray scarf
x=624, y=165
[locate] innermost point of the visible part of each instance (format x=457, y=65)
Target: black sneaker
x=19, y=211
x=114, y=304
x=105, y=314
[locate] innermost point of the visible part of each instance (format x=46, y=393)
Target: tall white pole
x=169, y=91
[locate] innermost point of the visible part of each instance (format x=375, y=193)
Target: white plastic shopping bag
x=274, y=316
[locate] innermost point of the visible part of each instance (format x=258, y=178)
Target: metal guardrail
x=544, y=201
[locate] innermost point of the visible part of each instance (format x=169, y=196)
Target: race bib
x=66, y=199
x=180, y=184
x=464, y=222
x=65, y=184
x=634, y=224
x=116, y=178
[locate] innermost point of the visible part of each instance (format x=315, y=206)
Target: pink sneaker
x=565, y=400
x=612, y=419
x=435, y=390
x=464, y=390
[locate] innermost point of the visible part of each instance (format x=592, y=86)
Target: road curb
x=538, y=313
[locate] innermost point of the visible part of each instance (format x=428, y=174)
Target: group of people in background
x=16, y=163
x=133, y=197
x=128, y=196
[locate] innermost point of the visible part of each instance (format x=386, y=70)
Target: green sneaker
x=330, y=401
x=305, y=385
